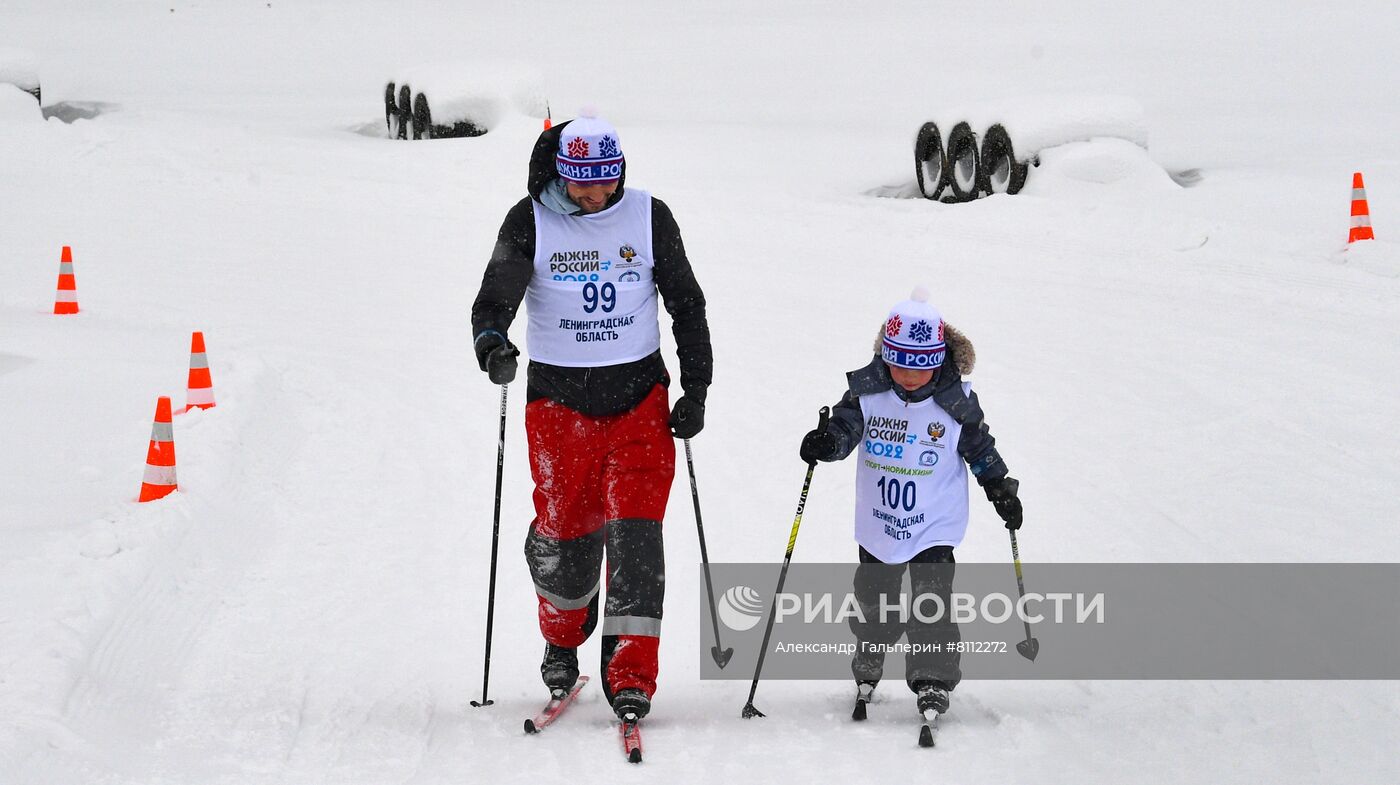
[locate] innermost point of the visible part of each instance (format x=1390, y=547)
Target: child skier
x=903, y=411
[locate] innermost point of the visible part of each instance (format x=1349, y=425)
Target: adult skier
x=589, y=258
x=919, y=427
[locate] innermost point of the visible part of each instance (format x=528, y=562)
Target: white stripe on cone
x=159, y=475
x=195, y=396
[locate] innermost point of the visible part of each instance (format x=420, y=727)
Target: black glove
x=818, y=444
x=1002, y=494
x=687, y=417
x=496, y=356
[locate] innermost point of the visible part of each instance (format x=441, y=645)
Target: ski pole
x=721, y=655
x=750, y=711
x=1030, y=646
x=495, y=542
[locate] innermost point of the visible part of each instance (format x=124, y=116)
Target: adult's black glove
x=496, y=356
x=1002, y=494
x=818, y=444
x=687, y=417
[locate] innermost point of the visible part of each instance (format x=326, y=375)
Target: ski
x=863, y=693
x=928, y=732
x=631, y=734
x=556, y=706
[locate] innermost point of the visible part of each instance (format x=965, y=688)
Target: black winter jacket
x=609, y=389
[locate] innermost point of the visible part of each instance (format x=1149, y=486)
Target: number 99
x=594, y=297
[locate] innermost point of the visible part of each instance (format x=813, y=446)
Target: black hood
x=542, y=168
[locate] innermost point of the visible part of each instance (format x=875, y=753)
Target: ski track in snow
x=309, y=608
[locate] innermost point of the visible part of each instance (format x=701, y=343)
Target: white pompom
x=919, y=295
x=588, y=110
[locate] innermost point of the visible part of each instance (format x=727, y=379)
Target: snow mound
x=481, y=94
x=18, y=107
x=1088, y=168
x=20, y=68
x=1042, y=121
x=1097, y=163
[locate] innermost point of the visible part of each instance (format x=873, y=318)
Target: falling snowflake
x=607, y=147
x=578, y=148
x=920, y=331
x=893, y=325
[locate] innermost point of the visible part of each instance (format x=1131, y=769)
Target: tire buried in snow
x=963, y=169
x=405, y=111
x=1000, y=172
x=930, y=163
x=422, y=118
x=390, y=110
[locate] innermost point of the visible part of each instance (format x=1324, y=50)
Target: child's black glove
x=687, y=417
x=818, y=445
x=1002, y=494
x=496, y=356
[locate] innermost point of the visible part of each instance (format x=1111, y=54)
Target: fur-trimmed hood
x=961, y=355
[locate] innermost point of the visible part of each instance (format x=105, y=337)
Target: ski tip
x=635, y=756
x=925, y=736
x=530, y=727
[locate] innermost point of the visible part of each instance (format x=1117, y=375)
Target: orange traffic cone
x=199, y=393
x=159, y=479
x=548, y=118
x=66, y=300
x=1360, y=212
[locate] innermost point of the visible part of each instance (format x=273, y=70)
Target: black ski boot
x=560, y=668
x=932, y=696
x=631, y=704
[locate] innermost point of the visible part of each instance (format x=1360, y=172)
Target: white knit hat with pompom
x=589, y=150
x=913, y=335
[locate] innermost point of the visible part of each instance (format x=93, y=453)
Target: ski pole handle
x=823, y=417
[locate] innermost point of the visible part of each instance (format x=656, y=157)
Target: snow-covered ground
x=1175, y=374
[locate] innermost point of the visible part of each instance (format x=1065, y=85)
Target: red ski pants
x=601, y=484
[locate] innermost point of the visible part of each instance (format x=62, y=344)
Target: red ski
x=631, y=734
x=554, y=708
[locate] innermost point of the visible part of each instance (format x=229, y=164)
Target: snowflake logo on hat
x=893, y=326
x=578, y=148
x=607, y=147
x=920, y=331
